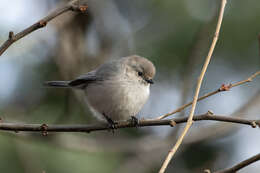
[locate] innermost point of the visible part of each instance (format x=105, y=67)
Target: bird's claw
x=112, y=124
x=134, y=121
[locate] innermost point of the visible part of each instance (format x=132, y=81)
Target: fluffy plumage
x=117, y=89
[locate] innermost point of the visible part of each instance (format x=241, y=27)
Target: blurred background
x=175, y=36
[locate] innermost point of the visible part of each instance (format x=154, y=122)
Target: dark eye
x=140, y=73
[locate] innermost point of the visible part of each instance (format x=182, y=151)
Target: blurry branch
x=44, y=128
x=221, y=89
x=194, y=102
x=71, y=6
x=193, y=58
x=240, y=165
x=199, y=46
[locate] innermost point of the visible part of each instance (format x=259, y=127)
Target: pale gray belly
x=118, y=102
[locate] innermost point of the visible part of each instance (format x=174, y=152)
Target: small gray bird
x=117, y=90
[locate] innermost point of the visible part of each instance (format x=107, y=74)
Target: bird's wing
x=83, y=80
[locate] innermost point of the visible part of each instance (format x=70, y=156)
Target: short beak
x=150, y=81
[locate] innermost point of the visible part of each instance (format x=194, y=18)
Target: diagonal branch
x=71, y=6
x=200, y=79
x=241, y=164
x=123, y=124
x=221, y=89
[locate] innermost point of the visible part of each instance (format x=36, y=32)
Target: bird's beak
x=150, y=81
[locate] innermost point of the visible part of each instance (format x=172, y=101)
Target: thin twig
x=189, y=122
x=123, y=124
x=216, y=130
x=241, y=165
x=71, y=6
x=221, y=89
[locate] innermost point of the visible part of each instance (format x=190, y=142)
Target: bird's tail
x=59, y=84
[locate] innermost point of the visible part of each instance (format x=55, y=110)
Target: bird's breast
x=119, y=100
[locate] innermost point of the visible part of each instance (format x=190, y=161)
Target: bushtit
x=117, y=90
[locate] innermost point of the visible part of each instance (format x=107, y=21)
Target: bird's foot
x=112, y=124
x=134, y=121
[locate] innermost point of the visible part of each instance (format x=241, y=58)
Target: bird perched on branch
x=117, y=90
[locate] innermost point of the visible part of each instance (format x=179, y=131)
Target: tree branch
x=241, y=165
x=71, y=6
x=123, y=124
x=221, y=89
x=196, y=95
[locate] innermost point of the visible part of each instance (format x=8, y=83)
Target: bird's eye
x=140, y=73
